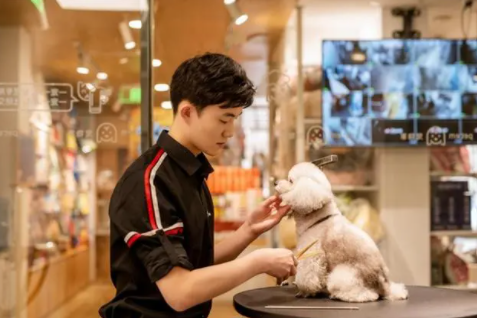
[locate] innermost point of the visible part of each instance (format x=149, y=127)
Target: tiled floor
x=87, y=302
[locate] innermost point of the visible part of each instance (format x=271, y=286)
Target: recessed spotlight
x=130, y=45
x=135, y=24
x=166, y=105
x=241, y=19
x=161, y=87
x=156, y=63
x=102, y=76
x=227, y=2
x=82, y=70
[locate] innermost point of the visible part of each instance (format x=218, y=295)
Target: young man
x=163, y=259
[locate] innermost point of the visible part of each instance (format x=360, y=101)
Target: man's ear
x=307, y=195
x=185, y=110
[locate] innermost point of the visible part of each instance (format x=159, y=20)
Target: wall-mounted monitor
x=399, y=92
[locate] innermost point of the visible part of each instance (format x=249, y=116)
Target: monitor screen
x=399, y=92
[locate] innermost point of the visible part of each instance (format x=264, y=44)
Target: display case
x=453, y=231
x=60, y=187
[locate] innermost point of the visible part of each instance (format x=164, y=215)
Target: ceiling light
x=166, y=105
x=156, y=63
x=127, y=36
x=237, y=16
x=241, y=19
x=102, y=76
x=135, y=24
x=161, y=87
x=130, y=45
x=104, y=5
x=227, y=2
x=82, y=70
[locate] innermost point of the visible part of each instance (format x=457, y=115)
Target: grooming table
x=423, y=302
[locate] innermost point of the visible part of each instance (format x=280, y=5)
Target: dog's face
x=306, y=190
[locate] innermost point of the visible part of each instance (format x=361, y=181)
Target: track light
x=237, y=15
x=82, y=65
x=129, y=43
x=135, y=24
x=241, y=19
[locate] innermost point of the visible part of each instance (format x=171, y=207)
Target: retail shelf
x=462, y=233
x=438, y=174
x=345, y=188
x=471, y=287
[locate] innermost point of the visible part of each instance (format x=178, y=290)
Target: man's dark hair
x=211, y=79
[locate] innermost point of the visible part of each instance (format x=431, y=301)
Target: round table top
x=423, y=302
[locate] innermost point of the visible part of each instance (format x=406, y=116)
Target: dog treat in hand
x=335, y=257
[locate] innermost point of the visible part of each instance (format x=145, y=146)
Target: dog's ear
x=307, y=195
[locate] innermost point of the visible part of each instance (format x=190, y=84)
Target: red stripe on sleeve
x=147, y=186
x=133, y=239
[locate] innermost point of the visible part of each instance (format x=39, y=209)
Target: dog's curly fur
x=345, y=263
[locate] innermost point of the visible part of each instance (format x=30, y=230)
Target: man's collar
x=183, y=156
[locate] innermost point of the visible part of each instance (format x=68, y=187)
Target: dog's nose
x=275, y=182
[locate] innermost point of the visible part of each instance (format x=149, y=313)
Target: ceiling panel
x=183, y=28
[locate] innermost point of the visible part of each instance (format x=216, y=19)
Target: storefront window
x=85, y=90
x=70, y=124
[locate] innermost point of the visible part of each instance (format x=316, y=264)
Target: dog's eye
x=290, y=180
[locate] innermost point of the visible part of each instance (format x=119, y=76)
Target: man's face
x=211, y=129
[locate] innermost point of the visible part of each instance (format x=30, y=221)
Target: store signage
x=130, y=95
x=40, y=5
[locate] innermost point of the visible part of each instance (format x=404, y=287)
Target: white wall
x=333, y=22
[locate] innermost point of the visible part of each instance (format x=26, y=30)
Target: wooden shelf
x=345, y=188
x=462, y=233
x=438, y=174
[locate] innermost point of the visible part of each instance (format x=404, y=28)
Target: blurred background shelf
x=438, y=174
x=462, y=233
x=346, y=188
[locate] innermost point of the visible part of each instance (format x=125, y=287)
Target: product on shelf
x=235, y=192
x=454, y=159
x=450, y=206
x=362, y=214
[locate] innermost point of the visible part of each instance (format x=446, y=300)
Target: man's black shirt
x=162, y=216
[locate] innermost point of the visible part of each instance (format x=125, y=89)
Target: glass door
x=75, y=110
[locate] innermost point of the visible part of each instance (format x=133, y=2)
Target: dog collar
x=325, y=218
x=301, y=254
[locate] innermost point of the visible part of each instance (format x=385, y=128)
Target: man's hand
x=277, y=262
x=258, y=222
x=263, y=219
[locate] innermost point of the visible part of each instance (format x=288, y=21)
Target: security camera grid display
x=388, y=92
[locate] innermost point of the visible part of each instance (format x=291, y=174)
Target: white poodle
x=341, y=260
